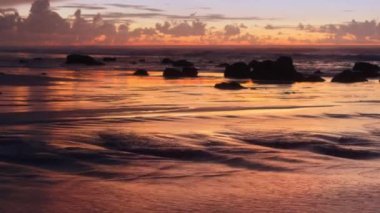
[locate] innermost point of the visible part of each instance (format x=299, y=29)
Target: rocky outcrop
x=281, y=70
x=182, y=63
x=229, y=86
x=349, y=76
x=366, y=69
x=141, y=72
x=82, y=59
x=166, y=61
x=191, y=72
x=239, y=70
x=172, y=73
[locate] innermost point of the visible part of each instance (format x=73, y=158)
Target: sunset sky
x=196, y=22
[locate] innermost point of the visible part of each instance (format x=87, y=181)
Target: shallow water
x=103, y=140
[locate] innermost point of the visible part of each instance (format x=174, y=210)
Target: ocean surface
x=98, y=139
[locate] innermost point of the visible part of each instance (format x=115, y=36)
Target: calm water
x=103, y=140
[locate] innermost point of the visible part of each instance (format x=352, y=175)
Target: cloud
x=16, y=2
x=354, y=31
x=84, y=6
x=232, y=30
x=185, y=28
x=136, y=7
x=194, y=16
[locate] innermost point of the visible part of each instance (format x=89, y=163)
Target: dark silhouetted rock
x=253, y=63
x=172, y=73
x=109, y=59
x=281, y=70
x=166, y=61
x=349, y=76
x=367, y=69
x=141, y=72
x=229, y=86
x=313, y=78
x=183, y=63
x=239, y=70
x=190, y=72
x=82, y=59
x=142, y=60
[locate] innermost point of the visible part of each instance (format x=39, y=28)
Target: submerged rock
x=282, y=70
x=367, y=69
x=141, y=72
x=229, y=86
x=239, y=70
x=82, y=59
x=172, y=73
x=349, y=76
x=190, y=72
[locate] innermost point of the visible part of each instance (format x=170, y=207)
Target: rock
x=44, y=73
x=82, y=59
x=141, y=72
x=190, y=72
x=109, y=59
x=239, y=70
x=349, y=76
x=182, y=63
x=172, y=73
x=281, y=70
x=229, y=86
x=142, y=60
x=313, y=78
x=253, y=63
x=368, y=70
x=166, y=61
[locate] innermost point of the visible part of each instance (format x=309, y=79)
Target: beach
x=98, y=138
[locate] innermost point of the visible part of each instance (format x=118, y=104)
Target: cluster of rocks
x=179, y=69
x=280, y=71
x=283, y=70
x=359, y=73
x=82, y=60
